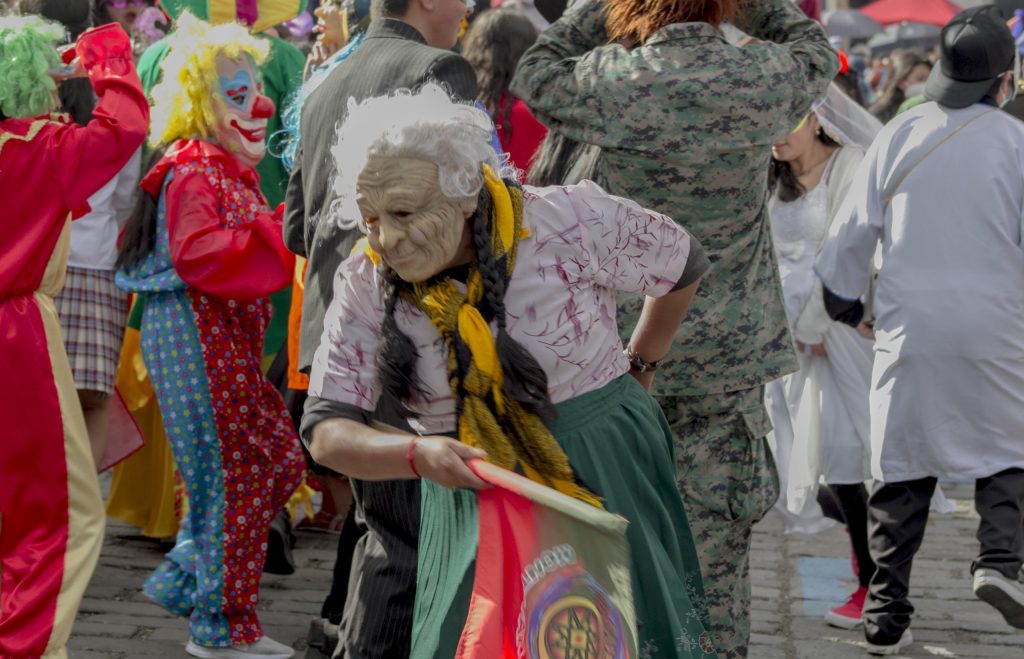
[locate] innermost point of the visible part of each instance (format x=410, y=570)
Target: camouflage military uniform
x=685, y=123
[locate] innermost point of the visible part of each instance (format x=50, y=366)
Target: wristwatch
x=638, y=364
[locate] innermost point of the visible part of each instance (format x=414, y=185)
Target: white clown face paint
x=241, y=110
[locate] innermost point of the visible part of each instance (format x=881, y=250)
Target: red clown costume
x=51, y=515
x=203, y=279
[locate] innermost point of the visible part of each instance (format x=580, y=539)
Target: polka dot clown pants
x=237, y=452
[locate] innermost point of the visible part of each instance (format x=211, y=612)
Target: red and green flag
x=552, y=576
x=257, y=14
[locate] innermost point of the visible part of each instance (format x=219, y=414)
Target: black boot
x=280, y=541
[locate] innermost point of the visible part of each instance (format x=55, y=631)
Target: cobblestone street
x=795, y=580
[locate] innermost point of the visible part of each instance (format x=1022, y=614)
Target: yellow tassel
x=504, y=224
x=302, y=498
x=363, y=245
x=477, y=423
x=476, y=334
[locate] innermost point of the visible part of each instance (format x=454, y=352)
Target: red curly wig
x=636, y=20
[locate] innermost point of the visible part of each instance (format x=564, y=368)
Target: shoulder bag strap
x=896, y=185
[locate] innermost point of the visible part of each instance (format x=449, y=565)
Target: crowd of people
x=682, y=261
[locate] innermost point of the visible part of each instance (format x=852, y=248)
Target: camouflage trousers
x=728, y=481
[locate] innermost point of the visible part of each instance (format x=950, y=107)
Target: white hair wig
x=425, y=124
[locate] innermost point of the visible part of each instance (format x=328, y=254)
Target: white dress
x=947, y=390
x=820, y=413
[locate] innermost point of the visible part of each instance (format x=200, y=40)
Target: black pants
x=848, y=504
x=334, y=605
x=294, y=399
x=898, y=513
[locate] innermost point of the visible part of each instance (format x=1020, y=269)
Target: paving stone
x=117, y=621
x=949, y=622
x=129, y=647
x=88, y=627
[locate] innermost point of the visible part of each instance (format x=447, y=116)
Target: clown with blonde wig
x=190, y=100
x=203, y=251
x=49, y=496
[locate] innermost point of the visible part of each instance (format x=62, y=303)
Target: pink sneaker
x=848, y=616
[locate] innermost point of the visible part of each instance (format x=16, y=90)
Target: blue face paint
x=238, y=90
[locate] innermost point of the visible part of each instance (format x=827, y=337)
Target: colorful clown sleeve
x=552, y=576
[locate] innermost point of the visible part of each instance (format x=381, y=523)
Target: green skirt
x=620, y=444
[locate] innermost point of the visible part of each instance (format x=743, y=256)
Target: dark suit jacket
x=393, y=56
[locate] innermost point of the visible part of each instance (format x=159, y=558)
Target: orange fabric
x=296, y=379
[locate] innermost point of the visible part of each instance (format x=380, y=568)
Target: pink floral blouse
x=583, y=245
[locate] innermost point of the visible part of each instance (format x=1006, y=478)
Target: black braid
x=139, y=236
x=525, y=381
x=396, y=355
x=492, y=306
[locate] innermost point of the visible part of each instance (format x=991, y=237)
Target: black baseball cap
x=976, y=48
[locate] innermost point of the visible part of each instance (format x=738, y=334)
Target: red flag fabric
x=123, y=435
x=935, y=12
x=552, y=576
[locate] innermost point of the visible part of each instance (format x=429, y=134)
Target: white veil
x=844, y=120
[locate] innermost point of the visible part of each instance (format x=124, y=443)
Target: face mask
x=241, y=110
x=409, y=222
x=915, y=90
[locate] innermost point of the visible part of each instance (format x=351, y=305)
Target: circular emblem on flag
x=574, y=618
x=705, y=643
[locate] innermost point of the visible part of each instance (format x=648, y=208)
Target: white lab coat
x=947, y=386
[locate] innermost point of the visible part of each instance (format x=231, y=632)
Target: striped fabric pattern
x=258, y=15
x=93, y=312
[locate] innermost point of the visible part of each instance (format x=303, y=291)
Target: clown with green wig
x=52, y=516
x=203, y=251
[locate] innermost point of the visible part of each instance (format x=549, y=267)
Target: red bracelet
x=410, y=458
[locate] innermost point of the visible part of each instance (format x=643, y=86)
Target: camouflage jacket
x=685, y=123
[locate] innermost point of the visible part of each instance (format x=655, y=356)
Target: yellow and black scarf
x=489, y=415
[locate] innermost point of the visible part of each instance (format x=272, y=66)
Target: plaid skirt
x=93, y=312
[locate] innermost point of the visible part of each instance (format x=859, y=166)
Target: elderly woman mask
x=241, y=110
x=415, y=228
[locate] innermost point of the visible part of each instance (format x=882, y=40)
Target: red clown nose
x=263, y=108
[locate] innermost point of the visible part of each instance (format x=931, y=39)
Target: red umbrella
x=887, y=12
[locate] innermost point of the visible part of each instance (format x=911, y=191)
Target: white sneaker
x=265, y=648
x=1005, y=595
x=884, y=650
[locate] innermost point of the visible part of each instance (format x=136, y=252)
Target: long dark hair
x=524, y=379
x=139, y=236
x=559, y=156
x=494, y=44
x=849, y=82
x=77, y=99
x=892, y=96
x=783, y=181
x=553, y=159
x=76, y=95
x=100, y=13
